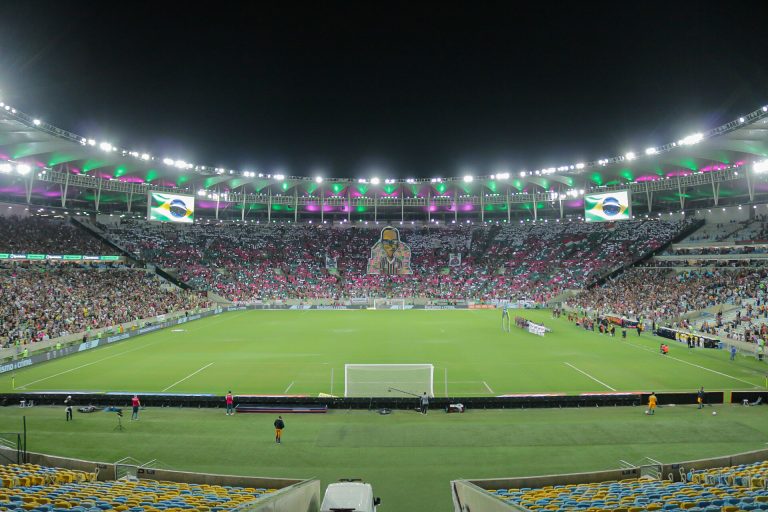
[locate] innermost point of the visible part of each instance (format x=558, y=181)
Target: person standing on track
x=135, y=403
x=424, y=403
x=279, y=426
x=230, y=404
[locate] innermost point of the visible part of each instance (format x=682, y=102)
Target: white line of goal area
x=188, y=376
x=696, y=365
x=84, y=365
x=487, y=387
x=590, y=376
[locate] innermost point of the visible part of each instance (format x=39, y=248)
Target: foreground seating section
x=729, y=489
x=46, y=489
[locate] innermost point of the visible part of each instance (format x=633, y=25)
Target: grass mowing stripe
x=83, y=366
x=188, y=376
x=591, y=377
x=697, y=366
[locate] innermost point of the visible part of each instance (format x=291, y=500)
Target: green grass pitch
x=409, y=458
x=298, y=352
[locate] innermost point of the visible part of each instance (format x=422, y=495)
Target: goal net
x=378, y=380
x=388, y=303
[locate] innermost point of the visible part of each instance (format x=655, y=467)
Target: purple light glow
x=577, y=203
x=673, y=174
x=11, y=190
x=130, y=179
x=648, y=177
x=466, y=207
x=4, y=156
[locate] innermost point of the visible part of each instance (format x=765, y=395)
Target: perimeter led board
x=162, y=207
x=607, y=207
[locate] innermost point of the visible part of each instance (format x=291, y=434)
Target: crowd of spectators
x=246, y=262
x=45, y=235
x=42, y=301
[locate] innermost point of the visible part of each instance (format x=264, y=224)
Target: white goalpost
x=378, y=380
x=388, y=304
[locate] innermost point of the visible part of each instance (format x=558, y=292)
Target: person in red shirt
x=135, y=403
x=230, y=404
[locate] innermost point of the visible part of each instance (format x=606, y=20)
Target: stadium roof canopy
x=42, y=160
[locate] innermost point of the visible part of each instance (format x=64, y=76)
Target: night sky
x=359, y=89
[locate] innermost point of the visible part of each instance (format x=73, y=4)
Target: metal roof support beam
x=28, y=187
x=535, y=208
x=296, y=204
x=681, y=195
x=322, y=205
x=456, y=204
x=269, y=206
x=482, y=205
x=130, y=198
x=242, y=211
x=375, y=207
x=402, y=208
x=429, y=206
x=349, y=205
x=217, y=203
x=715, y=189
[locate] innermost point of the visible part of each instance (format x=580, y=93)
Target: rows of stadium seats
x=46, y=489
x=638, y=495
x=245, y=262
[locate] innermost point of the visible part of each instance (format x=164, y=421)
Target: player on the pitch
x=505, y=322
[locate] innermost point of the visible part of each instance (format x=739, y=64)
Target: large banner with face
x=390, y=256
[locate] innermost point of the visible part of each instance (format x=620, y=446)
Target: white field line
x=591, y=377
x=188, y=376
x=289, y=386
x=698, y=366
x=487, y=387
x=83, y=366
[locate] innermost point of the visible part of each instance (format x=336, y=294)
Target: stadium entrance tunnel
x=322, y=404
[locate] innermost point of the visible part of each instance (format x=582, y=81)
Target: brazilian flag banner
x=607, y=207
x=164, y=207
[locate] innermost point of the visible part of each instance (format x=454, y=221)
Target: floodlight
x=522, y=174
x=630, y=156
x=168, y=161
x=6, y=168
x=650, y=151
x=105, y=146
x=741, y=119
x=23, y=169
x=375, y=181
x=760, y=167
x=468, y=179
x=692, y=139
x=318, y=179
x=36, y=122
x=580, y=165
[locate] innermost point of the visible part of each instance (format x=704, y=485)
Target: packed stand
x=246, y=262
x=41, y=302
x=43, y=235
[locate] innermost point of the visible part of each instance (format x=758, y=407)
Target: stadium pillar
x=482, y=205
x=509, y=212
x=649, y=196
x=456, y=203
x=64, y=189
x=296, y=203
x=28, y=186
x=560, y=200
x=680, y=194
x=269, y=206
x=715, y=189
x=217, y=205
x=535, y=208
x=429, y=206
x=98, y=195
x=750, y=187
x=349, y=205
x=322, y=205
x=129, y=200
x=402, y=206
x=375, y=207
x=242, y=210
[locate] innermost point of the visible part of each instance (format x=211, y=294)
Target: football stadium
x=391, y=302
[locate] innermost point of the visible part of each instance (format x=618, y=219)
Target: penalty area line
x=591, y=377
x=188, y=376
x=488, y=387
x=289, y=386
